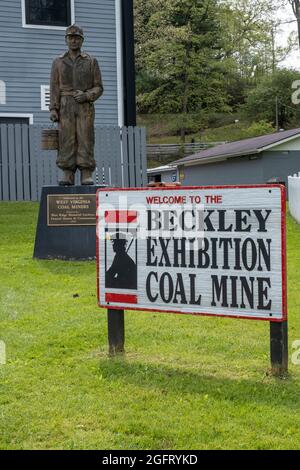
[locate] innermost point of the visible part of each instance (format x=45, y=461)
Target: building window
x=45, y=97
x=48, y=13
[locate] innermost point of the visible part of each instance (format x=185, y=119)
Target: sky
x=286, y=14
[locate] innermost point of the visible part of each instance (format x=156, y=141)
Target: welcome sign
x=202, y=251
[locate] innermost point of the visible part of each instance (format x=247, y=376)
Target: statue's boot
x=67, y=179
x=86, y=178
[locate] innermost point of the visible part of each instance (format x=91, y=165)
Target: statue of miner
x=75, y=84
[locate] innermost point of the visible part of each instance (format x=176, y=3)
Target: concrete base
x=70, y=243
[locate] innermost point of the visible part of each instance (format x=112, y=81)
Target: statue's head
x=74, y=37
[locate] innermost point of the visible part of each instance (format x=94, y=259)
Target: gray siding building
x=32, y=34
x=250, y=161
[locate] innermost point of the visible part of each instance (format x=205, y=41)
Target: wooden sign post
x=217, y=251
x=116, y=332
x=279, y=348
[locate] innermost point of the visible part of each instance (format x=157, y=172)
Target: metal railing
x=161, y=150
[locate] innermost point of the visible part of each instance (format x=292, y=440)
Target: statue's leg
x=66, y=160
x=86, y=137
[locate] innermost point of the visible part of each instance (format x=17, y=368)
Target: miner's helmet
x=74, y=31
x=122, y=237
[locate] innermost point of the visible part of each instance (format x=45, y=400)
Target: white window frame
x=15, y=115
x=2, y=92
x=37, y=26
x=44, y=89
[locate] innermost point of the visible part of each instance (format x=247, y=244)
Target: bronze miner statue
x=75, y=84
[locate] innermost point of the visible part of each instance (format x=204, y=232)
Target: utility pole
x=277, y=114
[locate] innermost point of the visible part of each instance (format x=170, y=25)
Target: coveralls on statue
x=75, y=84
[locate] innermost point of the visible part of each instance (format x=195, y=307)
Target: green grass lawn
x=186, y=382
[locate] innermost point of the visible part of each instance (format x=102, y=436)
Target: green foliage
x=186, y=382
x=165, y=129
x=250, y=29
x=169, y=125
x=261, y=101
x=195, y=56
x=295, y=4
x=238, y=131
x=178, y=51
x=260, y=128
x=191, y=123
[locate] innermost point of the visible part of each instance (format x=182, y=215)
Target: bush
x=260, y=128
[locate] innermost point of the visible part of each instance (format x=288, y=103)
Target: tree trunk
x=298, y=21
x=296, y=9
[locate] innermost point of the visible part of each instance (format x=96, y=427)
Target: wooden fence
x=120, y=154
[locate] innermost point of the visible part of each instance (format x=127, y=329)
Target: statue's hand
x=54, y=115
x=80, y=96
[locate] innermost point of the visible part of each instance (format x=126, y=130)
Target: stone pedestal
x=66, y=227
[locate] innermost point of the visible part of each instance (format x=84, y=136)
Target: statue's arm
x=94, y=93
x=54, y=88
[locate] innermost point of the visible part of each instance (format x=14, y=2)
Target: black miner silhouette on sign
x=123, y=272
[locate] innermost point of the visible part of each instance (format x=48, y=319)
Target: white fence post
x=294, y=196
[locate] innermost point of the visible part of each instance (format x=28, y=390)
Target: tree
x=261, y=102
x=181, y=57
x=296, y=9
x=250, y=31
x=204, y=57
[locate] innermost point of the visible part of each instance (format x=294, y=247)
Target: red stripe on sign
x=120, y=217
x=121, y=298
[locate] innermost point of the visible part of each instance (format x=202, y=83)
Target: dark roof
x=240, y=147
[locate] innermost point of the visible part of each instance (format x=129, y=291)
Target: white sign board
x=203, y=251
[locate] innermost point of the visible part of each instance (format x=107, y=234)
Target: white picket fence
x=294, y=196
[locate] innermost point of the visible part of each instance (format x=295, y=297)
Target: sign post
x=217, y=251
x=279, y=348
x=116, y=332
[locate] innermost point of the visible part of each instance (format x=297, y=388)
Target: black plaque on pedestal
x=66, y=227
